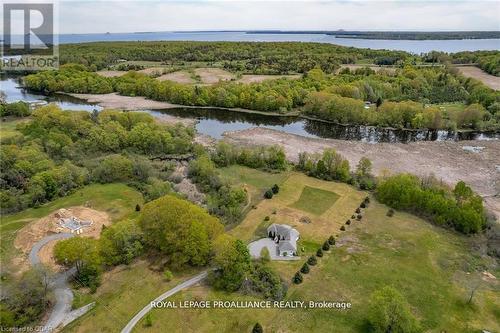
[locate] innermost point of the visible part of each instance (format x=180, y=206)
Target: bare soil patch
x=447, y=160
x=111, y=73
x=152, y=71
x=115, y=101
x=213, y=75
x=186, y=186
x=249, y=78
x=35, y=231
x=477, y=73
x=179, y=77
x=172, y=120
x=377, y=69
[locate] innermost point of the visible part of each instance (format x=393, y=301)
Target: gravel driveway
x=63, y=293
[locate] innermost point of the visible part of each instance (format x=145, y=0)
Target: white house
x=285, y=238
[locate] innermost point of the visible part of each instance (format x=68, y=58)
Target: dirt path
x=477, y=73
x=445, y=159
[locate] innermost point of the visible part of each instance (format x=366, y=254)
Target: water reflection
x=13, y=90
x=215, y=122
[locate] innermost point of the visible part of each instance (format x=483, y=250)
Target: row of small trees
x=312, y=261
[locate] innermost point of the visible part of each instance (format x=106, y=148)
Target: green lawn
x=255, y=181
x=8, y=128
x=315, y=200
x=118, y=200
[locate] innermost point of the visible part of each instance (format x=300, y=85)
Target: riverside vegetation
x=406, y=98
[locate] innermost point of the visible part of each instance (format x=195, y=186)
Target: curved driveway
x=63, y=293
x=176, y=289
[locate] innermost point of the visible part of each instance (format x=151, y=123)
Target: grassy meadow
x=432, y=267
x=429, y=265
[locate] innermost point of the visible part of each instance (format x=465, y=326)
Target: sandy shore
x=115, y=101
x=446, y=160
x=119, y=102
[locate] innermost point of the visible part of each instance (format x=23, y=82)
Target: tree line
x=336, y=98
x=458, y=208
x=249, y=57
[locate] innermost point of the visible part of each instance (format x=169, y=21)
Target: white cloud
x=119, y=16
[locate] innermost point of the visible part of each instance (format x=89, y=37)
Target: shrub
x=257, y=328
x=297, y=278
x=367, y=200
x=319, y=253
x=268, y=194
x=363, y=205
x=305, y=268
x=359, y=217
x=275, y=188
x=358, y=210
x=342, y=228
x=353, y=216
x=137, y=208
x=167, y=275
x=148, y=320
x=265, y=281
x=267, y=218
x=326, y=246
x=390, y=212
x=264, y=255
x=389, y=311
x=348, y=222
x=331, y=240
x=312, y=260
x=305, y=219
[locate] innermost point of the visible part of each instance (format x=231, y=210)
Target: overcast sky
x=133, y=16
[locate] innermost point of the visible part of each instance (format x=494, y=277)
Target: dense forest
x=251, y=57
x=60, y=151
x=404, y=98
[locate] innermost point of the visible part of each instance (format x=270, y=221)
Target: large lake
x=214, y=122
x=413, y=46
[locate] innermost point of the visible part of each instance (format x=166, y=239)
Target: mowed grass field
x=315, y=200
x=118, y=200
x=327, y=204
x=430, y=266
